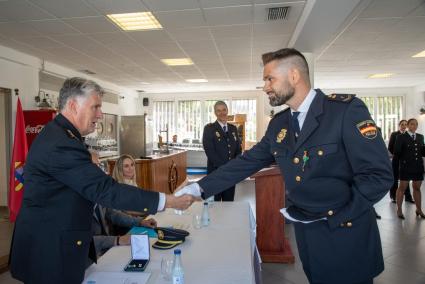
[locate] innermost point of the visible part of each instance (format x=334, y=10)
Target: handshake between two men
x=184, y=197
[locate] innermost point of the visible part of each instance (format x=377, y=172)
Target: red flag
x=16, y=178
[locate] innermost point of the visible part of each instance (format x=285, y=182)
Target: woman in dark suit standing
x=402, y=126
x=409, y=147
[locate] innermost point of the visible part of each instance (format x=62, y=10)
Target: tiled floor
x=403, y=244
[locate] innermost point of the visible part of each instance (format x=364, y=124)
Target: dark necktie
x=296, y=124
x=413, y=136
x=225, y=129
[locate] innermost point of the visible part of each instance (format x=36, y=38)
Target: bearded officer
x=335, y=166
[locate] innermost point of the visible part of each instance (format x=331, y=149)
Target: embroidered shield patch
x=367, y=129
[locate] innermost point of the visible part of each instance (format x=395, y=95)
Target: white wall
x=418, y=101
x=18, y=71
x=21, y=71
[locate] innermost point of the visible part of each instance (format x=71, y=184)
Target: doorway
x=5, y=131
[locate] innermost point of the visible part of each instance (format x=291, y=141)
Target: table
x=222, y=253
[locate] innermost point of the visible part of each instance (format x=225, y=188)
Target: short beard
x=281, y=98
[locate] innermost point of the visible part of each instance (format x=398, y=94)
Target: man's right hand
x=181, y=202
x=192, y=189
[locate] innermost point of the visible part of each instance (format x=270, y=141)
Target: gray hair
x=77, y=88
x=219, y=103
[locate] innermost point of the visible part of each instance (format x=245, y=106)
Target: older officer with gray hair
x=335, y=166
x=221, y=144
x=52, y=237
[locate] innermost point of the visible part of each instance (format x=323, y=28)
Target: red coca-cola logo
x=33, y=129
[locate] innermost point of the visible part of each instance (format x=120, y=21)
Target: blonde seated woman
x=125, y=172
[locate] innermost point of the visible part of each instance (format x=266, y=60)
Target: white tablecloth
x=222, y=253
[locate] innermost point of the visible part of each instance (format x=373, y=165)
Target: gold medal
x=281, y=135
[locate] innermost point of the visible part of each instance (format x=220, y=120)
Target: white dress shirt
x=304, y=107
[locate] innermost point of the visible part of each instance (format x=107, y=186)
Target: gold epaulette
x=71, y=135
x=345, y=98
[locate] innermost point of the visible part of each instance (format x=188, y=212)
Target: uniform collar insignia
x=71, y=135
x=281, y=135
x=69, y=128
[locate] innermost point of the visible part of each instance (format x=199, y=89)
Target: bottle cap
x=177, y=251
x=205, y=203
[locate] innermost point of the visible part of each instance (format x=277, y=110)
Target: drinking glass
x=196, y=222
x=166, y=268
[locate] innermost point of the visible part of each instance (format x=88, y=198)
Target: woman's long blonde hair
x=118, y=174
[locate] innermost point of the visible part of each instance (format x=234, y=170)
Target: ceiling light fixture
x=177, y=61
x=380, y=75
x=420, y=54
x=135, y=21
x=197, y=80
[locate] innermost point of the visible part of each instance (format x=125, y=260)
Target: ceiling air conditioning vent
x=87, y=71
x=277, y=13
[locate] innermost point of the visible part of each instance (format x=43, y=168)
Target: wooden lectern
x=270, y=198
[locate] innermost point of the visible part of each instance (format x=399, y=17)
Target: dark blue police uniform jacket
x=53, y=230
x=338, y=168
x=410, y=153
x=220, y=147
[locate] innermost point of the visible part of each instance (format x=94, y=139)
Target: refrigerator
x=35, y=120
x=136, y=135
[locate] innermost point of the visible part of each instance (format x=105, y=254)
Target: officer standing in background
x=221, y=144
x=409, y=147
x=53, y=236
x=335, y=166
x=402, y=125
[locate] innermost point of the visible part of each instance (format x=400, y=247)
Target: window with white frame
x=163, y=117
x=189, y=121
x=386, y=112
x=248, y=107
x=187, y=118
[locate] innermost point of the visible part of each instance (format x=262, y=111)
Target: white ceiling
x=225, y=39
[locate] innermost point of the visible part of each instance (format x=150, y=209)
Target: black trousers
x=227, y=195
x=396, y=168
x=370, y=281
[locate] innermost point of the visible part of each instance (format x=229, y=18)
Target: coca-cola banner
x=35, y=120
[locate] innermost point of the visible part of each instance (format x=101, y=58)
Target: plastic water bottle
x=210, y=201
x=205, y=217
x=178, y=274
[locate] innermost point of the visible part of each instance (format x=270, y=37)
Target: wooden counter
x=163, y=173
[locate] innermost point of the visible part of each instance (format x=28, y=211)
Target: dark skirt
x=415, y=176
